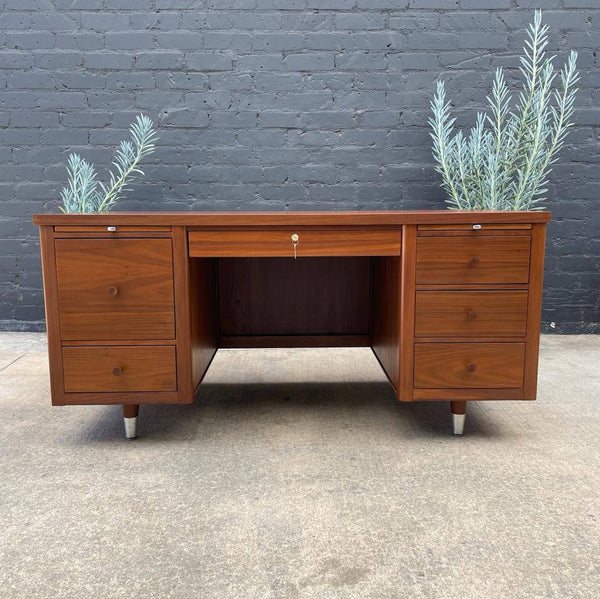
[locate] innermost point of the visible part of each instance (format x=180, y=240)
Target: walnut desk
x=138, y=303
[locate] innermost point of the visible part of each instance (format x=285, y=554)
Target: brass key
x=295, y=240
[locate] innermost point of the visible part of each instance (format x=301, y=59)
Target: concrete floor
x=297, y=475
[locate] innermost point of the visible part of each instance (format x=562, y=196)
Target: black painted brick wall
x=276, y=104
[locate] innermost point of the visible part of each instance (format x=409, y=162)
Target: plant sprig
x=505, y=162
x=84, y=193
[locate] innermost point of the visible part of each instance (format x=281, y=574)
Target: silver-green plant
x=84, y=193
x=505, y=161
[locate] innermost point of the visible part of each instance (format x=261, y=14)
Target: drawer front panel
x=456, y=260
x=279, y=243
x=471, y=313
x=103, y=369
x=115, y=289
x=469, y=365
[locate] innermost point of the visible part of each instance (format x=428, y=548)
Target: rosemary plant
x=505, y=161
x=84, y=193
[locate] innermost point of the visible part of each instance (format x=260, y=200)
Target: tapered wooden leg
x=459, y=411
x=130, y=416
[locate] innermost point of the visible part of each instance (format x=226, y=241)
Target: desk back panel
x=281, y=296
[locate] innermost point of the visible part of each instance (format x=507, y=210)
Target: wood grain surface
x=361, y=218
x=283, y=296
x=490, y=259
x=385, y=317
x=135, y=316
x=534, y=309
x=119, y=368
x=203, y=316
x=359, y=242
x=407, y=312
x=471, y=313
x=115, y=288
x=195, y=314
x=52, y=309
x=469, y=365
x=262, y=341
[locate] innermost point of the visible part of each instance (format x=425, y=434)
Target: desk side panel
x=203, y=315
x=385, y=319
x=195, y=316
x=534, y=308
x=407, y=312
x=52, y=309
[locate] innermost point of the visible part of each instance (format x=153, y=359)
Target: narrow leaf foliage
x=505, y=161
x=84, y=193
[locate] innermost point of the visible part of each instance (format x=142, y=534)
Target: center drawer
x=463, y=260
x=103, y=369
x=280, y=243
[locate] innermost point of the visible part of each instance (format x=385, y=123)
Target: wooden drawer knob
x=471, y=367
x=112, y=290
x=472, y=314
x=475, y=260
x=117, y=371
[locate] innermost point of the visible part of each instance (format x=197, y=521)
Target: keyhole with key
x=295, y=240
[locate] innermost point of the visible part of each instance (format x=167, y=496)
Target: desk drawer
x=115, y=289
x=471, y=313
x=456, y=260
x=469, y=365
x=349, y=242
x=103, y=369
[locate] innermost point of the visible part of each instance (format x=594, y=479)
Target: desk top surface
x=383, y=218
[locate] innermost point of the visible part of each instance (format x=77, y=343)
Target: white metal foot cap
x=458, y=423
x=130, y=427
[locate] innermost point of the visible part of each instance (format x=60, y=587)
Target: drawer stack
x=471, y=311
x=117, y=316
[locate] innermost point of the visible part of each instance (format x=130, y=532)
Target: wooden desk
x=138, y=303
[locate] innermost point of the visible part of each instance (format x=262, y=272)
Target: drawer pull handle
x=112, y=290
x=111, y=229
x=295, y=240
x=477, y=227
x=117, y=371
x=471, y=367
x=472, y=314
x=475, y=260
